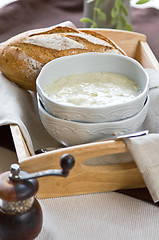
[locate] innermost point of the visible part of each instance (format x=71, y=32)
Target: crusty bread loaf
x=23, y=56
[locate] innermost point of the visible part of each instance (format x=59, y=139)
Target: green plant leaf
x=128, y=27
x=98, y=2
x=88, y=20
x=113, y=21
x=101, y=15
x=114, y=12
x=119, y=25
x=94, y=25
x=123, y=20
x=124, y=10
x=117, y=4
x=142, y=1
x=123, y=24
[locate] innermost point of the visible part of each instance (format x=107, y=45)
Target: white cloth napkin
x=19, y=106
x=145, y=151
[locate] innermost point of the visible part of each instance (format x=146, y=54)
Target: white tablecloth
x=103, y=216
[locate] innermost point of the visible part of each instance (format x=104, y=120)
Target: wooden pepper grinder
x=20, y=212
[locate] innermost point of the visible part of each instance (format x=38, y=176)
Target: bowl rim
x=95, y=108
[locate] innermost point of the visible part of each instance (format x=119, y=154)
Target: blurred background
x=17, y=16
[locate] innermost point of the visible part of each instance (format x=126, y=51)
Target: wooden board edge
x=145, y=56
x=80, y=152
x=21, y=147
x=112, y=32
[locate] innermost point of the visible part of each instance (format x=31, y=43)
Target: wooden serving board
x=86, y=178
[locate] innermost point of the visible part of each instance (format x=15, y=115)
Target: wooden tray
x=85, y=178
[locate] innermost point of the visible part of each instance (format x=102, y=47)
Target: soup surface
x=93, y=89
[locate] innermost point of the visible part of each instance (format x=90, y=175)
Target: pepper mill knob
x=67, y=162
x=15, y=170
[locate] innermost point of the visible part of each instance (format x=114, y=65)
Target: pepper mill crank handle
x=67, y=162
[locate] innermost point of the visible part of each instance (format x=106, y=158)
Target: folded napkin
x=19, y=106
x=145, y=151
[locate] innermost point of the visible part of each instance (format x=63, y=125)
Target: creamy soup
x=93, y=89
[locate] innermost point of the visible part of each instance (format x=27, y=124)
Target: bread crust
x=23, y=56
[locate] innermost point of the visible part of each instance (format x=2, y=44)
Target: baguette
x=23, y=56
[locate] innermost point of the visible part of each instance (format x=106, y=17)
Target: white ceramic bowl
x=73, y=133
x=93, y=62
